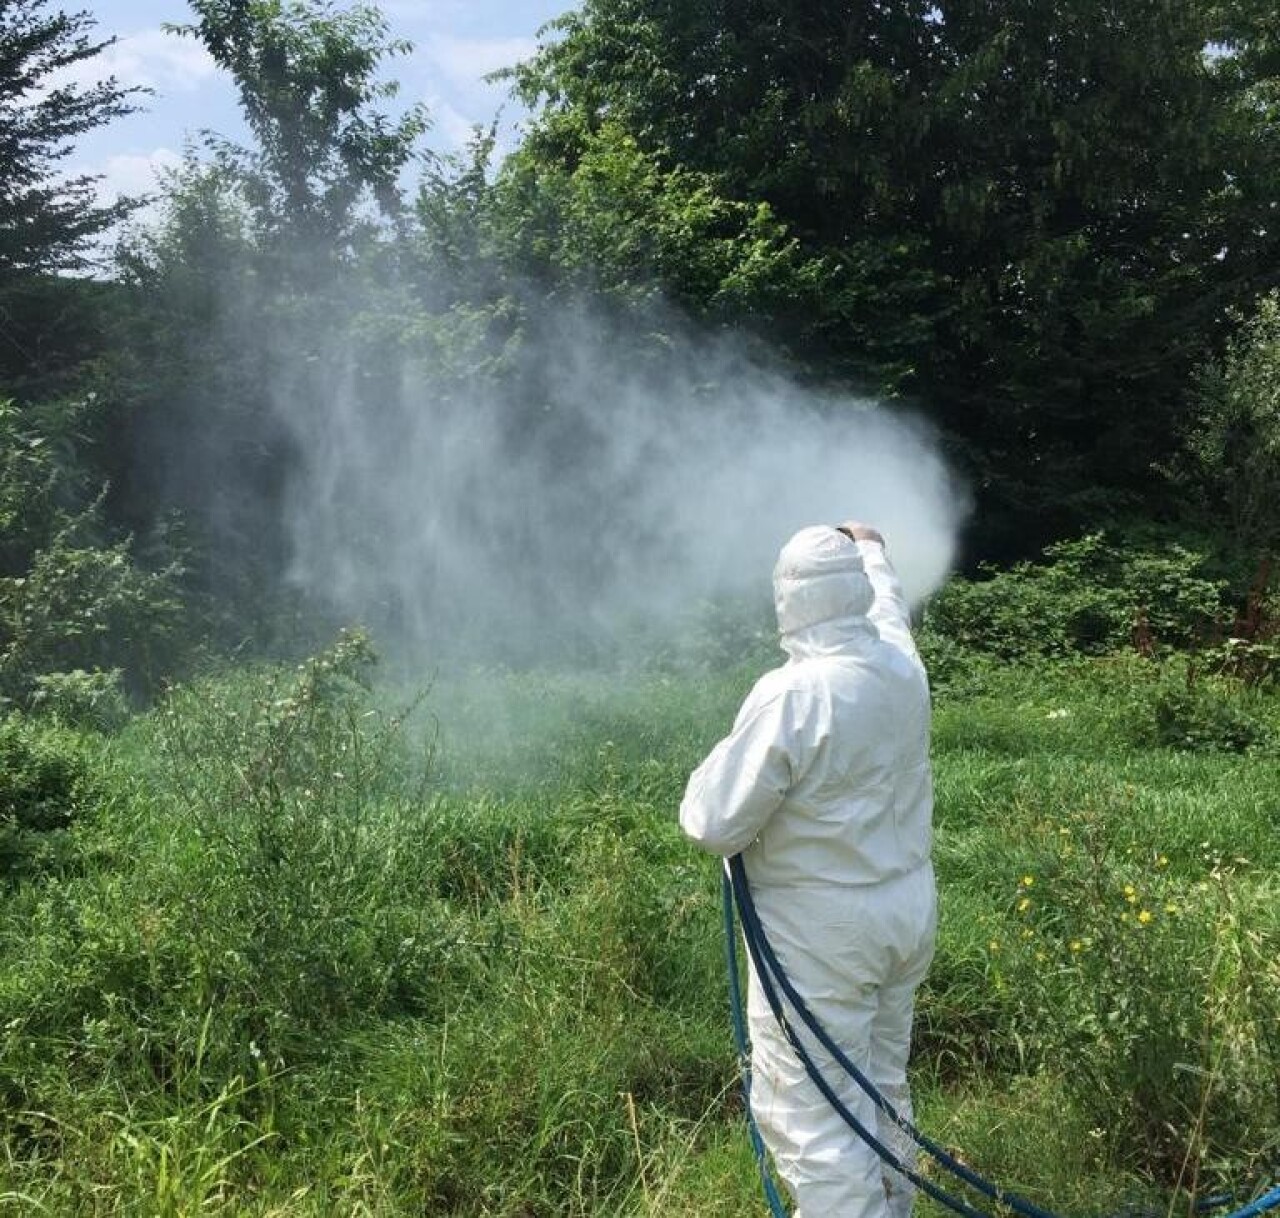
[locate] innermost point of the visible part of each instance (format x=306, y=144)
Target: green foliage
x=1235, y=442
x=285, y=976
x=246, y=294
x=1153, y=988
x=42, y=772
x=89, y=607
x=82, y=699
x=45, y=785
x=289, y=784
x=1105, y=917
x=307, y=76
x=1088, y=596
x=1019, y=210
x=615, y=217
x=1255, y=661
x=48, y=221
x=291, y=963
x=1203, y=713
x=56, y=333
x=70, y=598
x=42, y=475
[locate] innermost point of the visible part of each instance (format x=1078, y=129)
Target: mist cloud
x=593, y=495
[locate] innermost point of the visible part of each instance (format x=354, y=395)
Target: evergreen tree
x=48, y=223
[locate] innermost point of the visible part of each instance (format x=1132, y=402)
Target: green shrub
x=1255, y=662
x=82, y=699
x=87, y=607
x=1160, y=993
x=1181, y=706
x=1089, y=596
x=1203, y=716
x=311, y=849
x=72, y=594
x=44, y=786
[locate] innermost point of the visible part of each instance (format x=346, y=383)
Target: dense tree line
x=1048, y=226
x=1033, y=217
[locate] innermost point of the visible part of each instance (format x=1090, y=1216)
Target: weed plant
x=303, y=953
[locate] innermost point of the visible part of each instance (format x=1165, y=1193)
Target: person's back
x=824, y=788
x=859, y=809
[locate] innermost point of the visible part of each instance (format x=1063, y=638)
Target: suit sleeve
x=889, y=612
x=734, y=792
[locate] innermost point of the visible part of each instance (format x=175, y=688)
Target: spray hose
x=740, y=1041
x=773, y=979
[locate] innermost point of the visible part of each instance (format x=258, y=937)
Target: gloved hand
x=856, y=531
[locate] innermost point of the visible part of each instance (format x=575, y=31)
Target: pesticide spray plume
x=602, y=491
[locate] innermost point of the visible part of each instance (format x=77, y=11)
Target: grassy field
x=275, y=949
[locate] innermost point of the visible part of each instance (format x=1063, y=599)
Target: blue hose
x=776, y=1208
x=771, y=977
x=761, y=954
x=1269, y=1200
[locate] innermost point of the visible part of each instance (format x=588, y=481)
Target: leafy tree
x=307, y=74
x=620, y=222
x=49, y=223
x=245, y=291
x=1034, y=214
x=1235, y=443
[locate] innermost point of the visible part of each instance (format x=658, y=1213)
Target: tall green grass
x=305, y=953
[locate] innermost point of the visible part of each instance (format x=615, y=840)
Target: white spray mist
x=469, y=522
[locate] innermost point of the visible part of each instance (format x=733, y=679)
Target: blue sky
x=456, y=42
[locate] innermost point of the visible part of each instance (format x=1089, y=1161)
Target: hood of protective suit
x=821, y=594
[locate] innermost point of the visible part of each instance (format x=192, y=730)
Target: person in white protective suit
x=824, y=787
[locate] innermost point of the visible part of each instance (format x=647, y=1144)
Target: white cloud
x=452, y=127
x=152, y=59
x=401, y=13
x=130, y=173
x=464, y=61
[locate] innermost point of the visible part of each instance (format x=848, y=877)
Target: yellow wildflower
x=1145, y=916
x=1028, y=880
x=1024, y=904
x=1076, y=945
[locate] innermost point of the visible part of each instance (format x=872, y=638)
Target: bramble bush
x=1089, y=597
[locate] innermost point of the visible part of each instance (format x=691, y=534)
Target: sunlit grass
x=305, y=960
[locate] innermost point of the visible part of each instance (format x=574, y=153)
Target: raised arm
x=889, y=612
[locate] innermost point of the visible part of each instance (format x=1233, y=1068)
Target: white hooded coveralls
x=824, y=787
